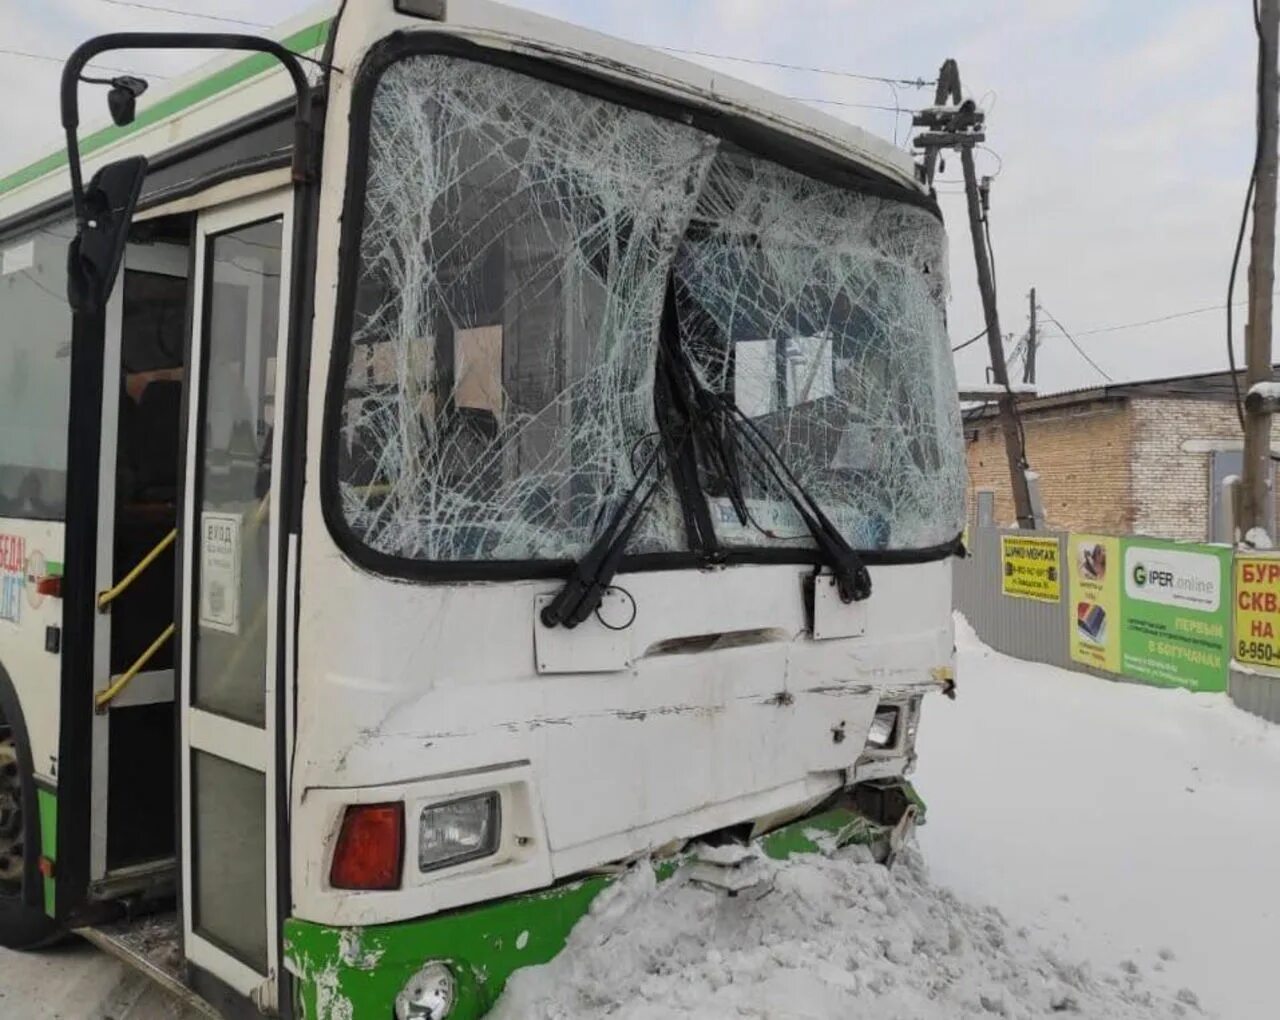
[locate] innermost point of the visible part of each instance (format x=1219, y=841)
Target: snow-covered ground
x=1094, y=849
x=1118, y=822
x=1127, y=839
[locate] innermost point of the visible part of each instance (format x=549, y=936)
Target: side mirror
x=122, y=100
x=94, y=256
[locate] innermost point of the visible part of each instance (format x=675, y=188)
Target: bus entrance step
x=152, y=945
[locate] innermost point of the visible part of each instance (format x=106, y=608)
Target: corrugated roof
x=1196, y=386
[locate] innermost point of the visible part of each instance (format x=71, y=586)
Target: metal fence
x=1037, y=631
x=1023, y=628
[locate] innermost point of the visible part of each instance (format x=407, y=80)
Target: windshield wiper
x=718, y=421
x=713, y=423
x=586, y=587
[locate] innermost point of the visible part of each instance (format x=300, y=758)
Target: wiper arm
x=853, y=579
x=586, y=587
x=716, y=422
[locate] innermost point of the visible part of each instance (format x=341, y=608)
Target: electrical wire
x=1244, y=219
x=859, y=106
x=156, y=9
x=972, y=340
x=1074, y=343
x=28, y=55
x=918, y=83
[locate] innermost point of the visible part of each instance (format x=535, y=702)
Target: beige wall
x=1123, y=466
x=1082, y=453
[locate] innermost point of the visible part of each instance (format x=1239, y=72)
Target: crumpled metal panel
x=518, y=242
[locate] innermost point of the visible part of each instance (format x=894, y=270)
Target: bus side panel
x=30, y=659
x=31, y=632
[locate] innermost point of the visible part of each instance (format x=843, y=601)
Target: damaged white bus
x=447, y=456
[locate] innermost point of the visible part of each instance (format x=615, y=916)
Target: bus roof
x=233, y=86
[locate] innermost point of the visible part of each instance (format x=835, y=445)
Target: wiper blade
x=587, y=585
x=853, y=579
x=717, y=422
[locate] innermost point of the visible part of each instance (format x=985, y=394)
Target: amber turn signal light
x=370, y=850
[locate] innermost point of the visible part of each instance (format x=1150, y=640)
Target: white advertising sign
x=220, y=572
x=1172, y=577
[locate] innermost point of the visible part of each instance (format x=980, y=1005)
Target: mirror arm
x=71, y=74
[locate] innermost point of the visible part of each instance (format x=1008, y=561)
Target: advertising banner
x=1257, y=610
x=1175, y=610
x=1029, y=568
x=1094, y=610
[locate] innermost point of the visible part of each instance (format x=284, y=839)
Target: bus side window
x=35, y=374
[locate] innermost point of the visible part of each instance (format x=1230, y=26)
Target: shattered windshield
x=518, y=242
x=819, y=312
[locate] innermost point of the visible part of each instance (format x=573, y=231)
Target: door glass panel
x=229, y=850
x=242, y=301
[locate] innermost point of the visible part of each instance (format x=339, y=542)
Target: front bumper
x=356, y=973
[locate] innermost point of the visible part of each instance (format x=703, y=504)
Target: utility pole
x=956, y=123
x=1029, y=366
x=1257, y=423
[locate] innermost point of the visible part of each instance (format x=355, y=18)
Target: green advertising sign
x=1175, y=614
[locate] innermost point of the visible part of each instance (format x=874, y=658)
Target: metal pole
x=999, y=370
x=1029, y=370
x=1257, y=429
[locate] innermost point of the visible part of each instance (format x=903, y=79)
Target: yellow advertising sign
x=1029, y=568
x=1094, y=610
x=1257, y=610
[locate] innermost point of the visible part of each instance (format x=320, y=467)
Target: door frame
x=234, y=741
x=150, y=686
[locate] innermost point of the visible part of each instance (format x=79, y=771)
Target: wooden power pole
x=1257, y=425
x=956, y=123
x=1029, y=366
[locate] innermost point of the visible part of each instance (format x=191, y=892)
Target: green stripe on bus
x=48, y=804
x=305, y=40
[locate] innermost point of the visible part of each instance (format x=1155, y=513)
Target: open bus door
x=230, y=596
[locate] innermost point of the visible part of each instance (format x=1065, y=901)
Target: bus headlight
x=460, y=830
x=428, y=995
x=884, y=728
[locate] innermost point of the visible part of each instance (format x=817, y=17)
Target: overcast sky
x=1123, y=132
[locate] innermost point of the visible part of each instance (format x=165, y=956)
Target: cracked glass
x=819, y=313
x=518, y=242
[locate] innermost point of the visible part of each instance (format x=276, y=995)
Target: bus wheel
x=21, y=926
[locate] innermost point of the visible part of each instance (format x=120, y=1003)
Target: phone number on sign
x=1257, y=651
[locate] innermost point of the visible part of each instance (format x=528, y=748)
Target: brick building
x=1130, y=458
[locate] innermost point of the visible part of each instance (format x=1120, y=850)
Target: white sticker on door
x=220, y=572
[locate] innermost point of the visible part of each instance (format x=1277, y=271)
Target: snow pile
x=820, y=938
x=1118, y=822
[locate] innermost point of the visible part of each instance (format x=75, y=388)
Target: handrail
x=104, y=698
x=111, y=594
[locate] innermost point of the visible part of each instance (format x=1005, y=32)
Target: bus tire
x=22, y=926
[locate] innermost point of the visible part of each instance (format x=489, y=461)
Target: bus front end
x=635, y=475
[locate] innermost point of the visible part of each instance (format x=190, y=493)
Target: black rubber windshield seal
x=741, y=131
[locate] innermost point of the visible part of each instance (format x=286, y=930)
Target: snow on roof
x=1196, y=385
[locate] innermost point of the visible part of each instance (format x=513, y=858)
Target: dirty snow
x=1125, y=838
x=821, y=938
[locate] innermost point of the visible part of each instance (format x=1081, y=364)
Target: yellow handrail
x=104, y=698
x=111, y=594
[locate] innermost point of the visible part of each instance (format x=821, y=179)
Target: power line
x=1151, y=322
x=860, y=106
x=155, y=9
x=972, y=340
x=918, y=83
x=1065, y=332
x=28, y=55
